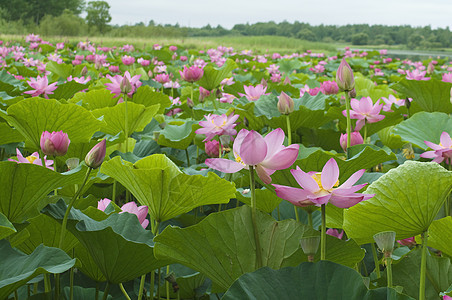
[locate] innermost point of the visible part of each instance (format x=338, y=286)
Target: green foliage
x=66, y=24
x=98, y=14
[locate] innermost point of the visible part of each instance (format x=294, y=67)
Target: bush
x=66, y=24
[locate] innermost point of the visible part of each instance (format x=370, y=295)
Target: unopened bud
x=285, y=104
x=344, y=77
x=203, y=94
x=96, y=155
x=190, y=103
x=84, y=71
x=287, y=81
x=125, y=86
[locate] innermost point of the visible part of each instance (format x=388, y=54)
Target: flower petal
x=353, y=179
x=253, y=149
x=295, y=196
x=263, y=174
x=445, y=140
x=224, y=165
x=274, y=141
x=330, y=174
x=238, y=141
x=305, y=181
x=282, y=159
x=342, y=201
x=319, y=200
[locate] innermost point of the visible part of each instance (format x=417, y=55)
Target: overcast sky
x=198, y=13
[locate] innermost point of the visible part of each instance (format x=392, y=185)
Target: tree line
x=63, y=18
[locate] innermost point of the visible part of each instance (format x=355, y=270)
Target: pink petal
x=429, y=154
x=360, y=124
x=348, y=191
x=305, y=181
x=224, y=165
x=352, y=179
x=445, y=140
x=348, y=201
x=330, y=174
x=433, y=146
x=365, y=105
x=274, y=141
x=238, y=141
x=354, y=103
x=263, y=174
x=319, y=200
x=295, y=196
x=282, y=159
x=253, y=149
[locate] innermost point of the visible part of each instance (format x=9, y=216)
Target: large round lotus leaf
x=25, y=185
x=114, y=117
x=213, y=76
x=45, y=230
x=407, y=199
x=16, y=268
x=431, y=95
x=424, y=126
x=158, y=183
x=119, y=245
x=440, y=235
x=31, y=117
x=222, y=245
x=307, y=281
x=146, y=96
x=6, y=228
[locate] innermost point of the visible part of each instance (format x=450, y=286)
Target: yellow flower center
x=238, y=159
x=31, y=158
x=317, y=178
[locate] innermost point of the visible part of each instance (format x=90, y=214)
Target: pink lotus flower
x=143, y=62
x=227, y=98
x=203, y=93
x=344, y=76
x=364, y=110
x=440, y=152
x=162, y=78
x=172, y=48
x=41, y=86
x=192, y=73
x=321, y=188
x=128, y=60
x=115, y=86
x=212, y=148
x=329, y=87
x=335, y=233
x=95, y=157
x=55, y=143
x=355, y=139
x=447, y=77
x=392, y=100
x=32, y=159
x=267, y=154
x=416, y=75
x=140, y=211
x=407, y=242
x=254, y=93
x=218, y=125
x=113, y=69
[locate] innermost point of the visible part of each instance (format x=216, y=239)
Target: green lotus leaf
x=121, y=248
x=6, y=228
x=440, y=235
x=266, y=199
x=25, y=185
x=84, y=293
x=222, y=245
x=431, y=95
x=157, y=182
x=10, y=85
x=406, y=201
x=138, y=117
x=406, y=273
x=95, y=99
x=424, y=126
x=60, y=70
x=191, y=284
x=88, y=265
x=146, y=96
x=34, y=115
x=322, y=280
x=177, y=134
x=67, y=90
x=213, y=76
x=9, y=135
x=16, y=268
x=45, y=230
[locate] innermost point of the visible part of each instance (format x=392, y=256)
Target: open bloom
x=334, y=232
x=416, y=75
x=364, y=110
x=355, y=139
x=392, y=100
x=140, y=211
x=254, y=93
x=55, y=143
x=218, y=125
x=440, y=152
x=407, y=242
x=192, y=73
x=115, y=85
x=41, y=86
x=267, y=154
x=32, y=159
x=321, y=188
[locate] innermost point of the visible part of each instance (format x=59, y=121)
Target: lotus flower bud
x=286, y=81
x=430, y=68
x=385, y=241
x=355, y=139
x=203, y=93
x=285, y=104
x=310, y=245
x=84, y=71
x=344, y=76
x=96, y=155
x=212, y=148
x=191, y=74
x=190, y=103
x=55, y=143
x=125, y=86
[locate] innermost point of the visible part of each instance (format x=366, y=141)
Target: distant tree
x=98, y=14
x=306, y=34
x=360, y=39
x=32, y=11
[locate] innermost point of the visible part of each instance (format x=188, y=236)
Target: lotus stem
x=389, y=271
x=124, y=291
x=167, y=284
x=140, y=292
x=158, y=283
x=71, y=280
x=96, y=297
x=424, y=236
x=323, y=234
x=376, y=263
x=253, y=218
x=126, y=124
x=152, y=286
x=114, y=190
x=107, y=288
x=188, y=157
x=349, y=123
x=47, y=286
x=289, y=142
